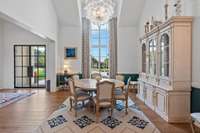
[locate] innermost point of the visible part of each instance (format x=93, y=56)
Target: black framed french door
x=29, y=66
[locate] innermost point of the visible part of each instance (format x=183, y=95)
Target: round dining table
x=90, y=84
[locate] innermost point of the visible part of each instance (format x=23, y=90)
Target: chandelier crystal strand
x=99, y=11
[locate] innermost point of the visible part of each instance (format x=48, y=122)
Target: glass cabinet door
x=164, y=55
x=152, y=57
x=144, y=58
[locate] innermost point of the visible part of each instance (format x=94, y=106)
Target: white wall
x=1, y=53
x=189, y=8
x=38, y=15
x=70, y=37
x=13, y=34
x=127, y=50
x=156, y=9
x=196, y=46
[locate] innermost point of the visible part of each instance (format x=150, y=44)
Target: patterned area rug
x=8, y=98
x=64, y=121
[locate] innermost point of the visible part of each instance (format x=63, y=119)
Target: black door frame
x=30, y=56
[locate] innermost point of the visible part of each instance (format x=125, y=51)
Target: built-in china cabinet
x=165, y=80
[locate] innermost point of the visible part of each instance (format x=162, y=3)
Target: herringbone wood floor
x=27, y=114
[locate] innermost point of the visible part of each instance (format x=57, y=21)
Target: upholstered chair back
x=72, y=87
x=105, y=90
x=75, y=77
x=96, y=76
x=120, y=77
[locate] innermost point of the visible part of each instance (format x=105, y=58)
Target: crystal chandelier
x=99, y=11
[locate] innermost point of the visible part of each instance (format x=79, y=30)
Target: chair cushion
x=120, y=95
x=81, y=95
x=196, y=119
x=83, y=98
x=118, y=90
x=102, y=104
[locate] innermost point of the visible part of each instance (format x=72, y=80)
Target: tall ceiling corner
x=68, y=12
x=130, y=12
x=80, y=11
x=119, y=8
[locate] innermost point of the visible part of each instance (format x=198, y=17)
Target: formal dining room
x=99, y=66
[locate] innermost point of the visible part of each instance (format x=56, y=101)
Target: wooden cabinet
x=150, y=99
x=165, y=78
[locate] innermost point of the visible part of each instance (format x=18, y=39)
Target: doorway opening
x=29, y=66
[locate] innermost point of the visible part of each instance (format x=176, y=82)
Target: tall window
x=99, y=49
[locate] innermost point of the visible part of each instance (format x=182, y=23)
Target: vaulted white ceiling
x=69, y=12
x=130, y=12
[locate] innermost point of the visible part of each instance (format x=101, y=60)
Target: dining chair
x=123, y=95
x=120, y=77
x=75, y=77
x=76, y=95
x=96, y=76
x=104, y=97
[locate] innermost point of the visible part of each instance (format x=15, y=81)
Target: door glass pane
x=25, y=61
x=34, y=61
x=41, y=81
x=26, y=82
x=25, y=50
x=34, y=50
x=41, y=72
x=18, y=61
x=18, y=71
x=25, y=72
x=18, y=82
x=41, y=51
x=34, y=82
x=18, y=50
x=41, y=61
x=35, y=72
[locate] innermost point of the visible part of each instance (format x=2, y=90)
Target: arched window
x=143, y=58
x=152, y=57
x=164, y=55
